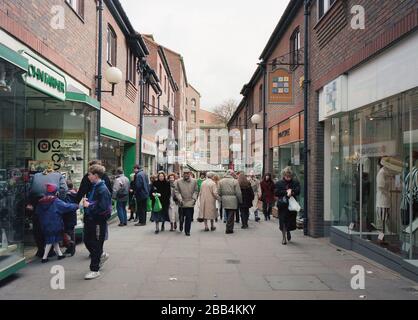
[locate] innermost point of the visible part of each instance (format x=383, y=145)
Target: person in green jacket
x=200, y=181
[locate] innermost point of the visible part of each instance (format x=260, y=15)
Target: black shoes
x=289, y=236
x=206, y=229
x=181, y=228
x=162, y=228
x=212, y=228
x=44, y=260
x=139, y=224
x=188, y=234
x=284, y=242
x=229, y=232
x=61, y=257
x=257, y=219
x=157, y=231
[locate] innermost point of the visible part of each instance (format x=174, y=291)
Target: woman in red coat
x=267, y=195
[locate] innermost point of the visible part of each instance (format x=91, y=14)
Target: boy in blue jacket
x=50, y=211
x=98, y=209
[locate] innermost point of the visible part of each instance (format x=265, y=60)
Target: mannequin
x=383, y=185
x=411, y=177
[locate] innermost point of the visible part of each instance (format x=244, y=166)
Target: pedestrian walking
x=173, y=210
x=255, y=184
x=97, y=210
x=286, y=188
x=247, y=199
x=267, y=195
x=50, y=210
x=120, y=193
x=161, y=188
x=218, y=202
x=200, y=181
x=186, y=193
x=86, y=186
x=132, y=200
x=36, y=192
x=208, y=197
x=70, y=221
x=230, y=193
x=142, y=188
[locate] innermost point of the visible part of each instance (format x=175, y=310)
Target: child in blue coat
x=50, y=210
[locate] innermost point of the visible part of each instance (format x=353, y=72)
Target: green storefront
x=47, y=119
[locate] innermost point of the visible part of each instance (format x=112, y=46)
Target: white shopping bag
x=294, y=205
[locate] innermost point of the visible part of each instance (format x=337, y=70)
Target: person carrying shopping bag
x=287, y=188
x=160, y=195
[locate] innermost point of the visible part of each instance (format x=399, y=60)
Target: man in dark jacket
x=141, y=194
x=86, y=186
x=98, y=209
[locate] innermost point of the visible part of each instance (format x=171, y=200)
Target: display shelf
x=8, y=250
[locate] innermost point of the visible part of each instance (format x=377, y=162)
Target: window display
x=373, y=190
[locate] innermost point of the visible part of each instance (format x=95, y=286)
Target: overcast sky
x=220, y=40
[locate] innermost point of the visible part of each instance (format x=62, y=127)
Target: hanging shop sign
x=43, y=78
x=280, y=86
x=334, y=98
x=149, y=147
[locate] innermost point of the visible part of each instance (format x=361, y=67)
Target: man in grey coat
x=230, y=193
x=121, y=195
x=186, y=192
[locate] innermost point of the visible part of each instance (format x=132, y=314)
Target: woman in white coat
x=208, y=196
x=173, y=210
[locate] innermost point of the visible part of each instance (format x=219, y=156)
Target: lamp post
x=256, y=119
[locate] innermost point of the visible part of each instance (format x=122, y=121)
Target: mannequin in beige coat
x=207, y=197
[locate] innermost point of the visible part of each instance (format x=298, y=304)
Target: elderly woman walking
x=285, y=189
x=247, y=199
x=208, y=197
x=173, y=211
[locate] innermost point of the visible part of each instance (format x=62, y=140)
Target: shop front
x=371, y=159
x=48, y=120
x=118, y=141
x=287, y=148
x=149, y=153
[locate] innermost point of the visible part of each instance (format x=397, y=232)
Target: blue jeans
x=121, y=209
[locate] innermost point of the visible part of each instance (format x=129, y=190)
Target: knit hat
x=51, y=188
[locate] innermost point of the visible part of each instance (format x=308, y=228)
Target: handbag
x=294, y=205
x=157, y=205
x=282, y=203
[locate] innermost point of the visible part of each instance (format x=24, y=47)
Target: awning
x=14, y=58
x=82, y=98
x=205, y=167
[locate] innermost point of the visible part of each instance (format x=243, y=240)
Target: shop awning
x=82, y=98
x=14, y=58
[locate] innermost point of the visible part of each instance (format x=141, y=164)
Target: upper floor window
x=111, y=46
x=294, y=48
x=202, y=121
x=193, y=102
x=193, y=116
x=260, y=98
x=131, y=67
x=187, y=101
x=161, y=73
x=323, y=7
x=77, y=6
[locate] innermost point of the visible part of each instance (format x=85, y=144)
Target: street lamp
x=256, y=120
x=114, y=76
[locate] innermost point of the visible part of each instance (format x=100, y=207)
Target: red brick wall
x=73, y=49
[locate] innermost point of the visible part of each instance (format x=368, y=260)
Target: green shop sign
x=45, y=79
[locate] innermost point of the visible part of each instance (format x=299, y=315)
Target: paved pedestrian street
x=250, y=264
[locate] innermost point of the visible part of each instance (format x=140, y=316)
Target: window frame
x=111, y=52
x=78, y=6
x=131, y=67
x=193, y=115
x=295, y=47
x=324, y=6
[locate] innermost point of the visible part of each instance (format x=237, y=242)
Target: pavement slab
x=250, y=264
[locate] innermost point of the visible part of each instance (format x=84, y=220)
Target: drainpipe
x=99, y=73
x=265, y=142
x=141, y=106
x=307, y=13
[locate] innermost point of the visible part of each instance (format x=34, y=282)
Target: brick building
x=361, y=114
x=48, y=69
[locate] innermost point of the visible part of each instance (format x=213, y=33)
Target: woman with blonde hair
x=286, y=188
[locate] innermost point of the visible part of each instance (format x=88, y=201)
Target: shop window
x=294, y=49
x=374, y=173
x=111, y=46
x=131, y=67
x=77, y=6
x=324, y=6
